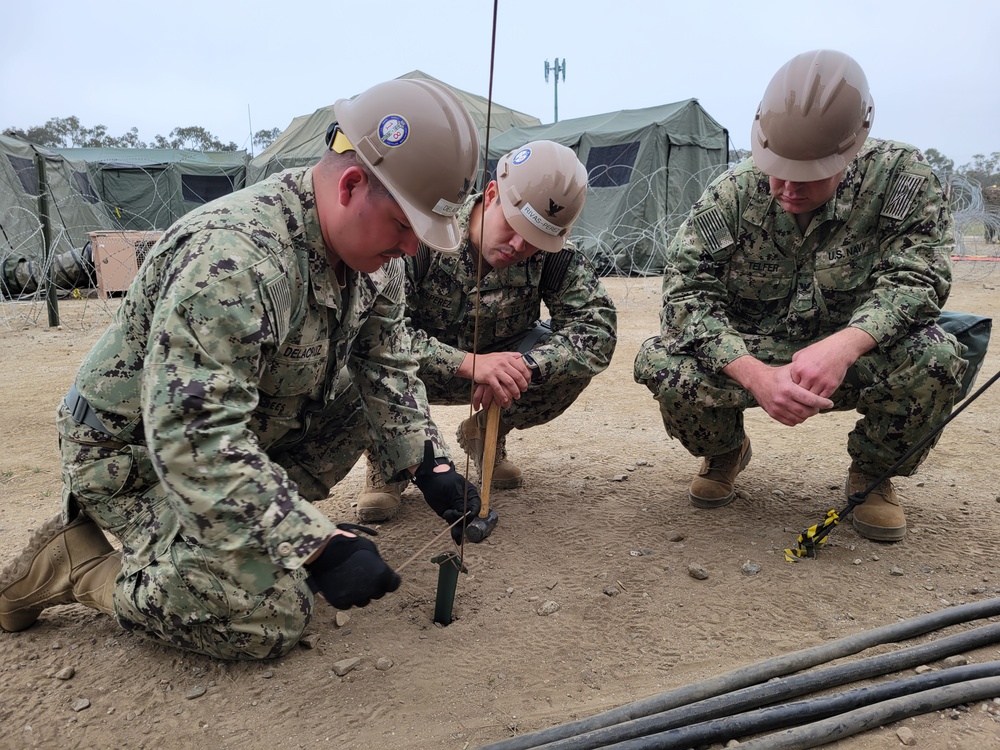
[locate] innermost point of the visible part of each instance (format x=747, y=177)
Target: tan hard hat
x=814, y=117
x=421, y=142
x=542, y=187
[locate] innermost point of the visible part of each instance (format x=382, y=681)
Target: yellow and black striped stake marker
x=813, y=537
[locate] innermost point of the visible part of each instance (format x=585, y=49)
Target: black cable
x=808, y=546
x=800, y=712
x=778, y=690
x=859, y=497
x=821, y=732
x=756, y=673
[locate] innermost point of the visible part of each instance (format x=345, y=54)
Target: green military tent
x=303, y=141
x=646, y=168
x=150, y=188
x=42, y=194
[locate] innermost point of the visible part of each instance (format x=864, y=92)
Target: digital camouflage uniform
x=742, y=279
x=441, y=309
x=240, y=382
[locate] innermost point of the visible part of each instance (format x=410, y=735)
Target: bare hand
x=504, y=373
x=482, y=397
x=777, y=393
x=821, y=367
x=785, y=400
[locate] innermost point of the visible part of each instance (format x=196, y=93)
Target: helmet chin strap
x=336, y=140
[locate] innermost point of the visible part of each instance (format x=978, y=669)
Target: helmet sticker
x=447, y=208
x=521, y=156
x=393, y=130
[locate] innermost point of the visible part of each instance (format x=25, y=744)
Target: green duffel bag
x=973, y=331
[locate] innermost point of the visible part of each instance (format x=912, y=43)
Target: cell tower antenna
x=558, y=68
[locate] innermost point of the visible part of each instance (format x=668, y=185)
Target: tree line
x=69, y=132
x=983, y=169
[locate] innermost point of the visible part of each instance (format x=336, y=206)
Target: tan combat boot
x=378, y=501
x=62, y=564
x=472, y=439
x=880, y=517
x=715, y=484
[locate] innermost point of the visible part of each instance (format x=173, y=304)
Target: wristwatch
x=536, y=371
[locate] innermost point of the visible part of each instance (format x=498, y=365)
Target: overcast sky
x=239, y=67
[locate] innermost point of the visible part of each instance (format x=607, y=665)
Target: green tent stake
x=451, y=564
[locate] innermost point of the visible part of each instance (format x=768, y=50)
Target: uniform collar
x=321, y=276
x=762, y=205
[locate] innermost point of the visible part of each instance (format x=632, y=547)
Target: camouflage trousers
x=902, y=393
x=174, y=585
x=329, y=446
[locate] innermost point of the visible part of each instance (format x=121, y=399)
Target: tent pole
x=51, y=303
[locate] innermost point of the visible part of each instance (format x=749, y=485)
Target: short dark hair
x=347, y=159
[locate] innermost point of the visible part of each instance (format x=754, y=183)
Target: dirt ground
x=602, y=529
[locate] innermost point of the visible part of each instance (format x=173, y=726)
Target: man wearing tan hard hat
x=259, y=351
x=809, y=278
x=514, y=257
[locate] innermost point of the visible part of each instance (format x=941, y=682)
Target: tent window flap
x=26, y=173
x=82, y=182
x=611, y=166
x=204, y=188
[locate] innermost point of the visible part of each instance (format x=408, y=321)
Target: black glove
x=350, y=572
x=445, y=491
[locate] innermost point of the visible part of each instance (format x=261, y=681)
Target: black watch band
x=536, y=371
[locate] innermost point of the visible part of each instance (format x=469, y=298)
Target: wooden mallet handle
x=489, y=455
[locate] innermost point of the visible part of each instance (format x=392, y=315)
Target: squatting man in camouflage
x=496, y=286
x=258, y=353
x=808, y=278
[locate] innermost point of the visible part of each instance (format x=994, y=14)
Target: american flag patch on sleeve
x=281, y=302
x=900, y=200
x=390, y=281
x=713, y=230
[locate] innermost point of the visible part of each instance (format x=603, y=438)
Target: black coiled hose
x=744, y=677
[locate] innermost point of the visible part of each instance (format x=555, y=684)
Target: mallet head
x=480, y=528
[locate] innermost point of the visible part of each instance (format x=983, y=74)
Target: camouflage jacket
x=876, y=256
x=233, y=332
x=441, y=310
